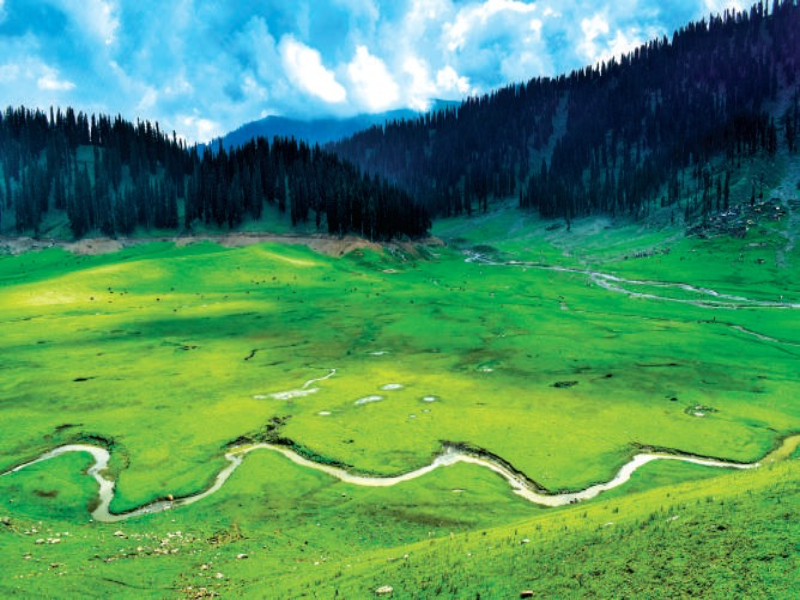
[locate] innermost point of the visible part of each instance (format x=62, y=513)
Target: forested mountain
x=112, y=176
x=616, y=138
x=314, y=131
x=317, y=131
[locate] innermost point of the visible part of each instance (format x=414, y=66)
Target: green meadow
x=168, y=356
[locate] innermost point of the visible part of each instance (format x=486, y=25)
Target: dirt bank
x=322, y=243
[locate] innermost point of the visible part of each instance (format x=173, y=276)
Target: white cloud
x=304, y=67
x=98, y=17
x=448, y=80
x=422, y=89
x=475, y=18
x=592, y=29
x=256, y=41
x=2, y=10
x=719, y=6
x=196, y=128
x=372, y=82
x=50, y=82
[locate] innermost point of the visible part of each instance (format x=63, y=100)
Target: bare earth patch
x=319, y=242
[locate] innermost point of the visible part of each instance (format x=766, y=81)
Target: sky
x=203, y=67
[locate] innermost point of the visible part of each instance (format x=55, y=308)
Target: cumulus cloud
x=304, y=67
x=482, y=18
x=372, y=82
x=592, y=29
x=203, y=68
x=448, y=80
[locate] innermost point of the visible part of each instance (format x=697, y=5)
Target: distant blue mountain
x=318, y=131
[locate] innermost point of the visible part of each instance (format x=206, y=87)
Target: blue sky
x=204, y=67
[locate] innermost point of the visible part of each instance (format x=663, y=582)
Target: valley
x=562, y=355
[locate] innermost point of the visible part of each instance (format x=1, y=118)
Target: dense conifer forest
x=111, y=176
x=616, y=138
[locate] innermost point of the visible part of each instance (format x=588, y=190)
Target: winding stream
x=450, y=455
x=613, y=283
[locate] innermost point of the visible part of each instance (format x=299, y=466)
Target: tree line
x=615, y=138
x=110, y=175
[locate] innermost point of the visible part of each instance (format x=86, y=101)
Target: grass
x=167, y=355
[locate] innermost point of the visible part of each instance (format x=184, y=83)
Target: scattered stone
x=5, y=521
x=368, y=399
x=564, y=384
x=120, y=534
x=525, y=541
x=242, y=556
x=384, y=590
x=391, y=387
x=526, y=594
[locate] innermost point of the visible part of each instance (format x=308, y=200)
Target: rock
x=120, y=534
x=384, y=590
x=242, y=556
x=526, y=594
x=565, y=384
x=525, y=541
x=5, y=521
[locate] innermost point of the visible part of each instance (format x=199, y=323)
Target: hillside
x=313, y=131
x=110, y=177
x=316, y=131
x=675, y=124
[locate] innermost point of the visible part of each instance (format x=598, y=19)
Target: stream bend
x=450, y=455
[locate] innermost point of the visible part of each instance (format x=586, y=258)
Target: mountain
x=317, y=131
x=673, y=125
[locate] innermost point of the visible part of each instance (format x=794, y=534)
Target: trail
x=520, y=483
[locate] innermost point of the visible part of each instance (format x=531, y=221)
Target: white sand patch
x=430, y=399
x=367, y=400
x=412, y=416
x=392, y=387
x=324, y=413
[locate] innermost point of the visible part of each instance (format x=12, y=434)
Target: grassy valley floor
x=563, y=353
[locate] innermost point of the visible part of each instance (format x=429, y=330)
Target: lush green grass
x=305, y=535
x=167, y=355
